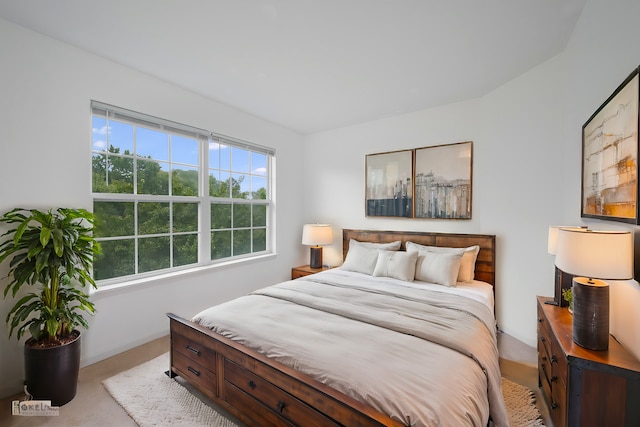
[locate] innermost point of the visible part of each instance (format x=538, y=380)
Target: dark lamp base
x=591, y=313
x=316, y=257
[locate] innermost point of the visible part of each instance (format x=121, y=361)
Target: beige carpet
x=151, y=398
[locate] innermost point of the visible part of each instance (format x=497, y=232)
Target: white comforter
x=423, y=357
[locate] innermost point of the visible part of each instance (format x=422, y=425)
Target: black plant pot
x=52, y=373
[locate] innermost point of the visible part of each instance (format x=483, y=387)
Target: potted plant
x=50, y=254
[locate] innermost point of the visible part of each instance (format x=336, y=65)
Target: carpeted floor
x=152, y=399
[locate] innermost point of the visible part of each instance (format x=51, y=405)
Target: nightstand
x=584, y=387
x=305, y=270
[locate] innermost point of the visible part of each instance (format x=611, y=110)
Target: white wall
x=522, y=121
x=602, y=52
x=335, y=160
x=45, y=161
x=526, y=166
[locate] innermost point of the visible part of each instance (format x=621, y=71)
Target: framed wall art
x=610, y=156
x=389, y=184
x=442, y=181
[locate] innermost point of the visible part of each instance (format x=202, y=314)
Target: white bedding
x=476, y=290
x=423, y=354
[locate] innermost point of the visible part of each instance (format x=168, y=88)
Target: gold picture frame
x=610, y=156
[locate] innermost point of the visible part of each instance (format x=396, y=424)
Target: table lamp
x=562, y=280
x=316, y=235
x=593, y=256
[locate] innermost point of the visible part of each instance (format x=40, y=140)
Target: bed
x=350, y=348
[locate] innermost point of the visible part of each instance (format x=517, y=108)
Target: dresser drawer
x=558, y=363
x=553, y=386
x=544, y=349
x=558, y=405
x=249, y=389
x=544, y=375
x=544, y=360
x=544, y=353
x=543, y=324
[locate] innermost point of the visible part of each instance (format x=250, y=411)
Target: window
x=168, y=196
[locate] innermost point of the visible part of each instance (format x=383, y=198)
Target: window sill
x=140, y=283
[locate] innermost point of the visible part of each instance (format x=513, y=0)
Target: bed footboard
x=260, y=391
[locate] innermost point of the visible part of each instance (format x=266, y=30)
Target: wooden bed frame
x=263, y=392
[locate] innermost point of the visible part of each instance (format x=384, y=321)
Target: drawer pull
x=193, y=371
x=554, y=359
x=542, y=339
x=554, y=405
x=280, y=406
x=252, y=384
x=554, y=379
x=539, y=320
x=193, y=350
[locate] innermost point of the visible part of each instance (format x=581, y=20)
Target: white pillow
x=362, y=256
x=439, y=268
x=399, y=265
x=391, y=246
x=469, y=256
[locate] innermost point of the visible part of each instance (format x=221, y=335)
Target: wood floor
x=93, y=405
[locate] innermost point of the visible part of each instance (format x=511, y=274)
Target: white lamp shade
x=552, y=241
x=317, y=234
x=595, y=254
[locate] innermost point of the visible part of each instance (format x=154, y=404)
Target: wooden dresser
x=584, y=387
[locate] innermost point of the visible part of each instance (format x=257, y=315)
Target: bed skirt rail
x=258, y=390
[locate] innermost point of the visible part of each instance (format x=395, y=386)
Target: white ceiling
x=314, y=65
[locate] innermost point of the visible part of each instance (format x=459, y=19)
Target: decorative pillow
x=391, y=246
x=469, y=256
x=439, y=268
x=396, y=264
x=362, y=256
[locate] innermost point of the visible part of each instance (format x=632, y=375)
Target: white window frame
x=203, y=199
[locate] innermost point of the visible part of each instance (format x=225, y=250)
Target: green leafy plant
x=567, y=295
x=52, y=250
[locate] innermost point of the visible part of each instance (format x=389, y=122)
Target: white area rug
x=520, y=403
x=152, y=399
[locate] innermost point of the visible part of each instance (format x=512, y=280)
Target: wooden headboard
x=485, y=264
